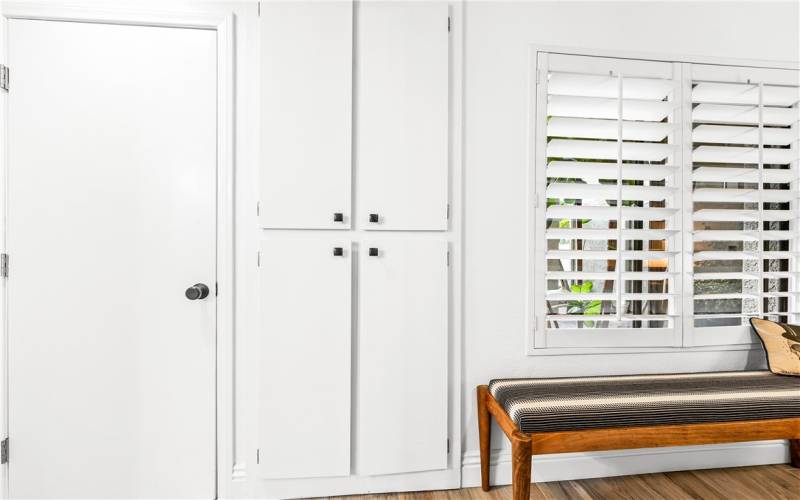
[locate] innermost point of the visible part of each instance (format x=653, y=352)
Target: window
x=666, y=201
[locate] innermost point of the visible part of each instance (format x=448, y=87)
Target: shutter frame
x=725, y=125
x=735, y=144
x=631, y=136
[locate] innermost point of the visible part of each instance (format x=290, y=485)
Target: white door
x=401, y=110
x=402, y=357
x=304, y=374
x=111, y=217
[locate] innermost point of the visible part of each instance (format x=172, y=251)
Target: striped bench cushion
x=555, y=404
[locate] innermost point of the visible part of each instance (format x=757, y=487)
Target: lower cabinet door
x=304, y=372
x=401, y=423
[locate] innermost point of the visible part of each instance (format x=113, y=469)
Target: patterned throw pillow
x=782, y=343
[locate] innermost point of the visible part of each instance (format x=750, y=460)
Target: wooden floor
x=743, y=483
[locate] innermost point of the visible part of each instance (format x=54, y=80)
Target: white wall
x=496, y=43
x=497, y=37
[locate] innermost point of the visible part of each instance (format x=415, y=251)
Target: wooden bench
x=564, y=415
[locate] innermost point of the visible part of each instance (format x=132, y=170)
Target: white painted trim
x=4, y=489
x=457, y=228
x=534, y=300
x=559, y=351
x=226, y=223
x=107, y=14
x=535, y=341
x=223, y=24
x=666, y=57
x=239, y=474
x=571, y=466
x=361, y=485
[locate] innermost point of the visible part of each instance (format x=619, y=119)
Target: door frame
x=223, y=23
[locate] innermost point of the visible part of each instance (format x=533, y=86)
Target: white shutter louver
x=609, y=149
x=744, y=181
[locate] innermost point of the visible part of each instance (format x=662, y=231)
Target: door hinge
x=448, y=24
x=258, y=209
x=448, y=257
x=259, y=259
x=4, y=78
x=4, y=265
x=258, y=455
x=448, y=211
x=448, y=446
x=4, y=451
x=259, y=9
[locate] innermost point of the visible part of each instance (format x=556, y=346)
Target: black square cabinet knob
x=373, y=252
x=338, y=251
x=373, y=217
x=338, y=217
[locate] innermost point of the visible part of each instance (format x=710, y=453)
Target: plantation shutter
x=742, y=151
x=607, y=266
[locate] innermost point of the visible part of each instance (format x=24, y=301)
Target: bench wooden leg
x=520, y=466
x=484, y=435
x=794, y=452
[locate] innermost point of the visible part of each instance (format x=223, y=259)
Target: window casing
x=665, y=201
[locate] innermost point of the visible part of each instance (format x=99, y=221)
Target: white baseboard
x=569, y=466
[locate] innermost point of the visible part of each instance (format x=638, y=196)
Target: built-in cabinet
x=354, y=329
x=398, y=144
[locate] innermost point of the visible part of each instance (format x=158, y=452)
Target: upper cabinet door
x=402, y=94
x=304, y=360
x=402, y=357
x=306, y=114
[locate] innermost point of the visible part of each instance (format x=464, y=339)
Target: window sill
x=570, y=351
